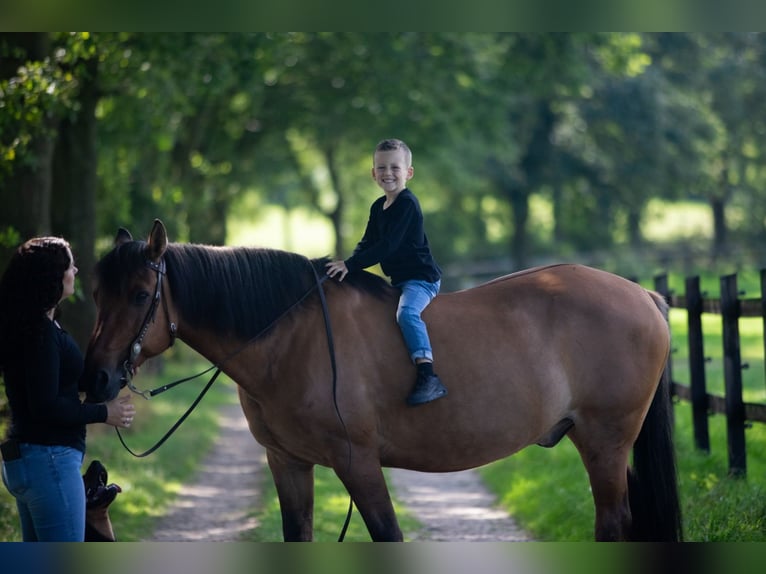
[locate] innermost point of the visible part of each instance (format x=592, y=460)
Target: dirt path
x=454, y=506
x=214, y=507
x=451, y=506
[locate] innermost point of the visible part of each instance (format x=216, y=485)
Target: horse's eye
x=141, y=298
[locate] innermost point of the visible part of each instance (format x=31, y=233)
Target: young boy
x=395, y=238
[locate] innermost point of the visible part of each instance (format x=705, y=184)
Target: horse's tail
x=653, y=483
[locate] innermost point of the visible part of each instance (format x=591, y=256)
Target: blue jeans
x=416, y=295
x=49, y=492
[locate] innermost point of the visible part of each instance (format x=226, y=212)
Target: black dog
x=98, y=497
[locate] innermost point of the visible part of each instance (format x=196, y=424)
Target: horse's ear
x=157, y=243
x=123, y=236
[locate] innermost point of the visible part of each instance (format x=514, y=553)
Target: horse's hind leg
x=366, y=484
x=607, y=467
x=294, y=481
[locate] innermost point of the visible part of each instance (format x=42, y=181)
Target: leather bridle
x=128, y=366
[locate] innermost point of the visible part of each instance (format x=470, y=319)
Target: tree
x=26, y=142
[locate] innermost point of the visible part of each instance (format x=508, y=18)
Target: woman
x=41, y=365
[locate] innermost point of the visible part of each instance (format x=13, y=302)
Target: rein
x=135, y=350
x=333, y=364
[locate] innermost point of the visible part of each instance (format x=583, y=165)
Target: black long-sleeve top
x=395, y=238
x=42, y=385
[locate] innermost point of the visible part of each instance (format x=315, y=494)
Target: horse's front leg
x=295, y=488
x=366, y=484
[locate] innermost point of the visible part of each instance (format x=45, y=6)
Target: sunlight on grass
x=751, y=353
x=298, y=230
x=666, y=221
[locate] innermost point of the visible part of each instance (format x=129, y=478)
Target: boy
x=395, y=238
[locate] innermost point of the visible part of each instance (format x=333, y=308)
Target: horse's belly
x=435, y=448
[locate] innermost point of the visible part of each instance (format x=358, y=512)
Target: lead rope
x=334, y=366
x=177, y=424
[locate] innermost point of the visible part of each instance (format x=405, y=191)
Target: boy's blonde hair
x=394, y=144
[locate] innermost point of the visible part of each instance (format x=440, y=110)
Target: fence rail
x=739, y=415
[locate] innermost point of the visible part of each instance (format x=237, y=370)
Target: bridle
x=128, y=367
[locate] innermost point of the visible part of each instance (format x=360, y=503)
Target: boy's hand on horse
x=337, y=268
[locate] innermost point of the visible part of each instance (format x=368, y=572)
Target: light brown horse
x=529, y=358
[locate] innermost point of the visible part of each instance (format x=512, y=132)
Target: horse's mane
x=237, y=290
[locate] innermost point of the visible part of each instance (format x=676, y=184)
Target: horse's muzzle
x=104, y=387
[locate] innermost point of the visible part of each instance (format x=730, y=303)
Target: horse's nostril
x=102, y=379
x=101, y=388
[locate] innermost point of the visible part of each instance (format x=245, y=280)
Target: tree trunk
x=533, y=166
x=25, y=194
x=720, y=235
x=634, y=227
x=557, y=198
x=336, y=214
x=718, y=205
x=519, y=251
x=73, y=213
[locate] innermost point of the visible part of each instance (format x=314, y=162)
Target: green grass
x=331, y=506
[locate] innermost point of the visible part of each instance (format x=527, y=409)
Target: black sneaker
x=426, y=389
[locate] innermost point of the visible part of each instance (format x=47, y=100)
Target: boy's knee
x=406, y=314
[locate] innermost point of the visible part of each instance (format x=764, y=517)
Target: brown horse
x=528, y=358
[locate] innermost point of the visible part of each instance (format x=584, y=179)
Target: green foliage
x=595, y=124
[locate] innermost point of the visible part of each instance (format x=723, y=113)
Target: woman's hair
x=31, y=285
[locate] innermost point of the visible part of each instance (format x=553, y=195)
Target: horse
x=322, y=372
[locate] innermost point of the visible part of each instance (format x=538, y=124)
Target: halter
x=128, y=366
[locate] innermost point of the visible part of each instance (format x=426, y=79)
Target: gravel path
x=215, y=506
x=454, y=506
x=451, y=506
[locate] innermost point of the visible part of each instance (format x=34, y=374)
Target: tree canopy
x=100, y=130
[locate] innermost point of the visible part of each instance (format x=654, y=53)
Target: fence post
x=700, y=407
x=735, y=407
x=763, y=309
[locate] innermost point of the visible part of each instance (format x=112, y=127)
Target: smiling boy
x=395, y=238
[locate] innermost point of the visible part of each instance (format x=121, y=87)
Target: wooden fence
x=739, y=415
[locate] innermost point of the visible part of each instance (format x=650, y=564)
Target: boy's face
x=391, y=170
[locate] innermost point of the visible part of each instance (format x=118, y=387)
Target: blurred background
x=633, y=152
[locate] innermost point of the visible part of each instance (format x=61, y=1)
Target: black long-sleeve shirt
x=42, y=385
x=395, y=238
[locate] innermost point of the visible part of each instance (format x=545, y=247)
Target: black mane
x=237, y=290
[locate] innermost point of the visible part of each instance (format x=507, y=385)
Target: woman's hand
x=120, y=412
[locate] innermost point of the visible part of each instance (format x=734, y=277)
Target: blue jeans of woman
x=416, y=295
x=49, y=492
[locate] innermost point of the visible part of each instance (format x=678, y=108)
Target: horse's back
x=555, y=296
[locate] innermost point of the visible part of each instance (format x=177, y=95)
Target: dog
x=98, y=497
